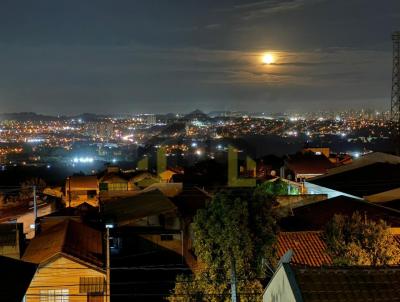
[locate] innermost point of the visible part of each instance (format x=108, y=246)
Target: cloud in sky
x=141, y=56
x=262, y=8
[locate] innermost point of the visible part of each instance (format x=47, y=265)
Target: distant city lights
x=83, y=160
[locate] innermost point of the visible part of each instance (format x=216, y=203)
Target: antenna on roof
x=286, y=258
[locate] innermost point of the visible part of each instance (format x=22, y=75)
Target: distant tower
x=395, y=100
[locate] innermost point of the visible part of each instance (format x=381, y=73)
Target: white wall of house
x=279, y=288
x=316, y=189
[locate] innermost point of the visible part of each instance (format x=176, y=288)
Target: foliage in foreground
x=237, y=226
x=360, y=241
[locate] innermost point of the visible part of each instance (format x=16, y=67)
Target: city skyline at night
x=199, y=150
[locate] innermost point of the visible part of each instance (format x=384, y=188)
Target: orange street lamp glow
x=268, y=58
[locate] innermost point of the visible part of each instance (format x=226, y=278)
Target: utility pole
x=34, y=207
x=182, y=248
x=233, y=280
x=69, y=190
x=108, y=292
x=395, y=97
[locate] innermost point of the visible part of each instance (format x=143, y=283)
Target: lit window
x=54, y=295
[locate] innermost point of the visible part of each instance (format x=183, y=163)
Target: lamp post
x=108, y=292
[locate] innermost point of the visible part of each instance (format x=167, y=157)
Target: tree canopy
x=237, y=226
x=278, y=187
x=360, y=241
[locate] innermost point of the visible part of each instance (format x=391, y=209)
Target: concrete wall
x=293, y=200
x=279, y=288
x=316, y=189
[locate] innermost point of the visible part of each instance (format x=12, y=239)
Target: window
x=118, y=186
x=54, y=295
x=166, y=237
x=103, y=186
x=91, y=194
x=91, y=285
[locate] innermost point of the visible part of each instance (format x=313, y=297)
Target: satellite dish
x=286, y=258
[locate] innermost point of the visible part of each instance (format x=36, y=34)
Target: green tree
x=27, y=187
x=360, y=241
x=238, y=227
x=278, y=187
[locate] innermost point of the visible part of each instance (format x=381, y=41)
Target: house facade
x=70, y=263
x=81, y=189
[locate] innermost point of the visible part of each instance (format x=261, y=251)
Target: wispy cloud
x=259, y=9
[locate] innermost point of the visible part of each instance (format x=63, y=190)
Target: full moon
x=267, y=59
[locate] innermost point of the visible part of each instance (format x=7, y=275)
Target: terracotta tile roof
x=308, y=248
x=355, y=284
x=70, y=238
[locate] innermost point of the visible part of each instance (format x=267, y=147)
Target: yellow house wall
x=61, y=273
x=11, y=251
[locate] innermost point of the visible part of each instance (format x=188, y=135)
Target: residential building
x=12, y=240
x=70, y=263
x=81, y=189
x=373, y=177
x=149, y=215
x=145, y=209
x=292, y=283
x=308, y=248
x=313, y=216
x=301, y=167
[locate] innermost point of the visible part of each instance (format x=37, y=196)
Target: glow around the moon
x=268, y=58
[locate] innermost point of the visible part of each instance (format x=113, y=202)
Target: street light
x=108, y=227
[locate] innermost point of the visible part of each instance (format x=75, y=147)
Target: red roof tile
x=308, y=248
x=355, y=284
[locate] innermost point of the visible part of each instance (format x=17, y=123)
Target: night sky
x=117, y=56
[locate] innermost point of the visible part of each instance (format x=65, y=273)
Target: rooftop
x=68, y=238
x=83, y=182
x=125, y=209
x=353, y=284
x=314, y=216
x=309, y=164
x=190, y=200
x=371, y=174
x=308, y=248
